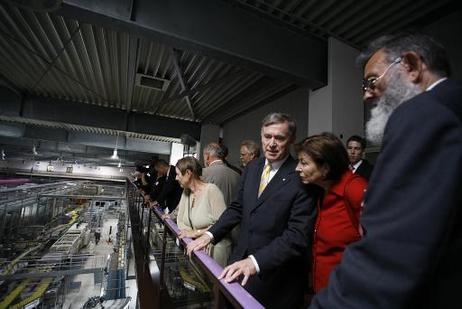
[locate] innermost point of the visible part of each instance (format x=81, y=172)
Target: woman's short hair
x=326, y=148
x=190, y=163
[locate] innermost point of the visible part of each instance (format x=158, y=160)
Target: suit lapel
x=256, y=184
x=279, y=180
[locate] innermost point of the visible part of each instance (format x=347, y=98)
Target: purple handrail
x=234, y=289
x=14, y=181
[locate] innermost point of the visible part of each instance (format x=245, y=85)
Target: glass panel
x=186, y=283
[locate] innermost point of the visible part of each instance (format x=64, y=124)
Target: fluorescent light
x=114, y=155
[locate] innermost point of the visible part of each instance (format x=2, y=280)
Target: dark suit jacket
x=365, y=169
x=411, y=255
x=276, y=229
x=157, y=188
x=170, y=195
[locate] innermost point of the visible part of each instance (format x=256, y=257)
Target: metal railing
x=160, y=237
x=51, y=265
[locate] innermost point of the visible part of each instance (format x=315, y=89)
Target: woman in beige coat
x=200, y=206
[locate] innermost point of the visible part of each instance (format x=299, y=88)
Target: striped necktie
x=264, y=178
x=352, y=167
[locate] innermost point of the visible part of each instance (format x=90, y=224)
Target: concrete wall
x=346, y=77
x=320, y=110
x=209, y=134
x=248, y=126
x=338, y=107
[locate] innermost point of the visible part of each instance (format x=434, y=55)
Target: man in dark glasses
x=411, y=253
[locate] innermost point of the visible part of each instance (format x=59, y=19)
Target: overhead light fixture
x=115, y=156
x=114, y=153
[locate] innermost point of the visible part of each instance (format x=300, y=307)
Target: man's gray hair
x=274, y=118
x=214, y=150
x=431, y=52
x=252, y=147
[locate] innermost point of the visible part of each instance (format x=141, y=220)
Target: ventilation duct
x=151, y=82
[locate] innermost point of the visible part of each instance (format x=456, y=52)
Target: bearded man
x=411, y=253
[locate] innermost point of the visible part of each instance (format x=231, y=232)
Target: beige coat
x=203, y=212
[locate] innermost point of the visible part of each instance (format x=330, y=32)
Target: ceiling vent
x=151, y=82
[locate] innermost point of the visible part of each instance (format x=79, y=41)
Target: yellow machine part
x=39, y=291
x=10, y=267
x=74, y=217
x=13, y=294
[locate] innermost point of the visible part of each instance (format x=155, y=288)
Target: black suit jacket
x=276, y=229
x=157, y=188
x=411, y=255
x=170, y=195
x=365, y=169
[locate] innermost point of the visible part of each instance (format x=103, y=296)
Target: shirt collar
x=215, y=161
x=357, y=164
x=275, y=165
x=436, y=83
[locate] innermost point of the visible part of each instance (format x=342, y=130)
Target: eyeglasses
x=369, y=84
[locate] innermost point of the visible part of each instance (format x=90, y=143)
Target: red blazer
x=334, y=229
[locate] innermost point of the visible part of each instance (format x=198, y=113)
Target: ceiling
x=48, y=55
x=351, y=21
x=220, y=59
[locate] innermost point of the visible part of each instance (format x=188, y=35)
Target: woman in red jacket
x=323, y=160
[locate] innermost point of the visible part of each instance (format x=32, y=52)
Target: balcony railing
x=191, y=281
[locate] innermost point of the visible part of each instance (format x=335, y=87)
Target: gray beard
x=398, y=91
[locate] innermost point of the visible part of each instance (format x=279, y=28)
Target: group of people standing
x=397, y=244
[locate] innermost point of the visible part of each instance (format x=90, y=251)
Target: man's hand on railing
x=198, y=244
x=240, y=269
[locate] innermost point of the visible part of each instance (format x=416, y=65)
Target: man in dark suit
x=170, y=194
x=157, y=188
x=356, y=145
x=411, y=253
x=276, y=215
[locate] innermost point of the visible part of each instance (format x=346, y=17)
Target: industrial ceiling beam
x=75, y=113
x=214, y=83
x=183, y=85
x=214, y=28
